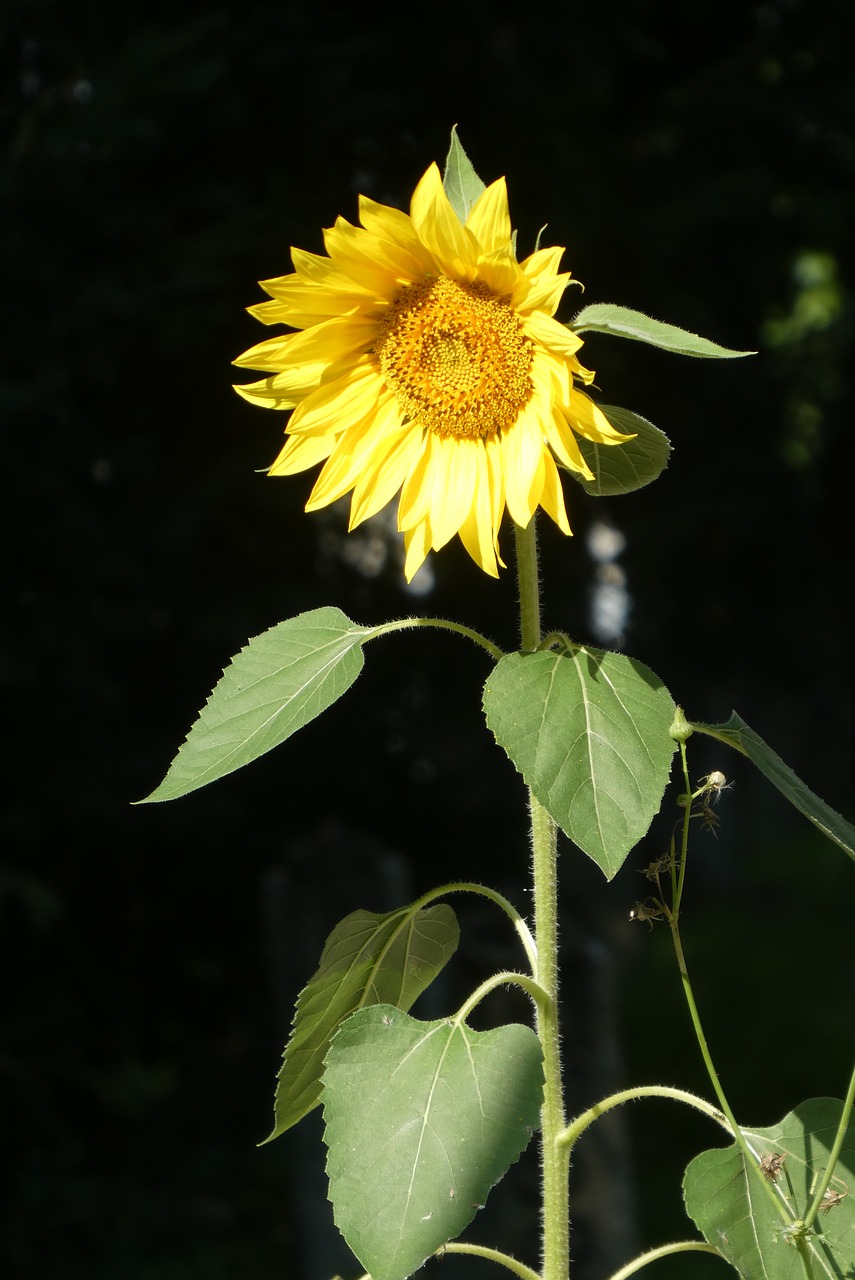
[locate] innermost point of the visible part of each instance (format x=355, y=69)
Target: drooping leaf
x=368, y=959
x=621, y=322
x=461, y=182
x=278, y=682
x=422, y=1119
x=625, y=467
x=757, y=1231
x=588, y=731
x=737, y=734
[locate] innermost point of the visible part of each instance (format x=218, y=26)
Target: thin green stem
x=577, y=1127
x=506, y=979
x=442, y=624
x=555, y=1239
x=673, y=921
x=834, y=1153
x=664, y=1251
x=492, y=1255
x=523, y=931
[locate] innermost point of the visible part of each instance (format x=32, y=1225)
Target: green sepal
x=590, y=733
x=621, y=322
x=756, y=1227
x=623, y=468
x=461, y=182
x=279, y=681
x=368, y=959
x=422, y=1119
x=737, y=734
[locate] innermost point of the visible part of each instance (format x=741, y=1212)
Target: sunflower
x=427, y=361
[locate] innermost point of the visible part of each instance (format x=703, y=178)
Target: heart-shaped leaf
x=589, y=732
x=422, y=1119
x=630, y=466
x=755, y=1215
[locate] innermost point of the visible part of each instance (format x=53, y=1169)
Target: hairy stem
x=555, y=1239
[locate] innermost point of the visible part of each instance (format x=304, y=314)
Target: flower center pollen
x=456, y=358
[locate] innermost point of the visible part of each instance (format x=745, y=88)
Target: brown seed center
x=456, y=358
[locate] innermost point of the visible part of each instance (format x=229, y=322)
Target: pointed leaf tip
x=422, y=1119
x=461, y=182
x=737, y=734
x=622, y=322
x=625, y=467
x=590, y=733
x=278, y=682
x=367, y=959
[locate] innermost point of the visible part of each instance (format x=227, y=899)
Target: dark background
x=698, y=160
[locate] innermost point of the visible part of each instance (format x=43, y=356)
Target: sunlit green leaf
x=753, y=1220
x=368, y=959
x=422, y=1118
x=278, y=682
x=736, y=733
x=622, y=468
x=461, y=182
x=621, y=322
x=588, y=731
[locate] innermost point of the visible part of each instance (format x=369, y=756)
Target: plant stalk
x=555, y=1238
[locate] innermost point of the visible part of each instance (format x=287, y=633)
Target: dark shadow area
x=698, y=161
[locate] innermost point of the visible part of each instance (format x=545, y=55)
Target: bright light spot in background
x=371, y=546
x=610, y=601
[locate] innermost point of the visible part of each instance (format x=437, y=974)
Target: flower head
x=427, y=361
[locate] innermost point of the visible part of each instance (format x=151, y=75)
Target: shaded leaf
x=589, y=732
x=752, y=1228
x=278, y=682
x=625, y=467
x=422, y=1119
x=368, y=959
x=737, y=734
x=621, y=322
x=461, y=182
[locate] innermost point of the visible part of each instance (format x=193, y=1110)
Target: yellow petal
x=353, y=452
x=551, y=496
x=416, y=493
x=564, y=444
x=550, y=334
x=522, y=449
x=417, y=544
x=590, y=421
x=440, y=229
x=489, y=219
x=336, y=405
x=302, y=304
x=453, y=487
x=477, y=533
x=301, y=452
x=263, y=394
x=395, y=227
x=385, y=471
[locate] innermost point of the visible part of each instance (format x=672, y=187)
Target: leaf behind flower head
x=623, y=468
x=622, y=322
x=461, y=182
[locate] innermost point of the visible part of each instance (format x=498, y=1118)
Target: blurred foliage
x=698, y=160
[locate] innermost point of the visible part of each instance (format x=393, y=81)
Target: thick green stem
x=555, y=1241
